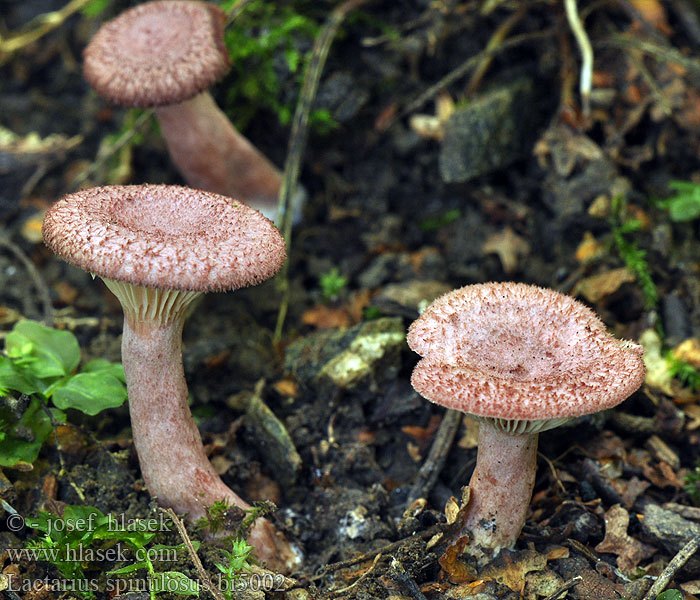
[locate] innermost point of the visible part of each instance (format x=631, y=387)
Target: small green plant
x=686, y=373
x=238, y=560
x=40, y=365
x=685, y=204
x=83, y=537
x=623, y=228
x=332, y=284
x=691, y=483
x=220, y=516
x=438, y=222
x=260, y=36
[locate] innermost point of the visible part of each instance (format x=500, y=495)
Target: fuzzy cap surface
x=520, y=352
x=165, y=237
x=157, y=53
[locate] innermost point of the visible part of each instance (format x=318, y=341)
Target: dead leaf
x=286, y=387
x=433, y=126
x=325, y=317
x=630, y=552
x=653, y=13
x=630, y=490
x=688, y=351
x=589, y=249
x=658, y=373
x=422, y=435
x=510, y=568
x=457, y=570
x=509, y=246
x=600, y=286
x=542, y=584
x=470, y=435
x=692, y=411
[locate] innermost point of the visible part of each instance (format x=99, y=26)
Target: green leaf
x=94, y=8
x=174, y=582
x=104, y=366
x=12, y=378
x=14, y=449
x=670, y=595
x=90, y=392
x=684, y=208
x=129, y=568
x=44, y=352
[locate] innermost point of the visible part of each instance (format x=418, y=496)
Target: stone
x=488, y=133
x=368, y=353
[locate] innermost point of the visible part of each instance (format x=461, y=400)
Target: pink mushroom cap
x=517, y=352
x=158, y=53
x=165, y=237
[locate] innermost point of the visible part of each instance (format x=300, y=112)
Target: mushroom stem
x=501, y=488
x=212, y=155
x=173, y=463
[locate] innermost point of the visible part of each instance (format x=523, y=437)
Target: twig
x=586, y=50
x=298, y=137
x=673, y=567
x=494, y=42
x=431, y=468
x=468, y=65
x=399, y=575
x=656, y=51
x=201, y=571
x=389, y=548
x=358, y=580
x=567, y=585
x=38, y=281
x=37, y=28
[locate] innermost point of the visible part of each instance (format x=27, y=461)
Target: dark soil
x=385, y=211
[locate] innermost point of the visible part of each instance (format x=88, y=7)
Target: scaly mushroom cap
x=515, y=352
x=164, y=237
x=157, y=53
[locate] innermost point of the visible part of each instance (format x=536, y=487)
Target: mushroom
x=158, y=248
x=520, y=359
x=166, y=55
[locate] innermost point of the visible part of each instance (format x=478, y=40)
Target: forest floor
x=452, y=146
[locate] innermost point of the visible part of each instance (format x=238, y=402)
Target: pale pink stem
x=173, y=463
x=212, y=155
x=501, y=488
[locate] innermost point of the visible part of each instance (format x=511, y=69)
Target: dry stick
x=201, y=571
x=400, y=576
x=37, y=279
x=656, y=51
x=468, y=65
x=358, y=580
x=37, y=28
x=673, y=567
x=564, y=587
x=586, y=50
x=298, y=137
x=389, y=548
x=429, y=472
x=496, y=40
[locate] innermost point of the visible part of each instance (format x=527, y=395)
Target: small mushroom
x=520, y=359
x=158, y=248
x=167, y=54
